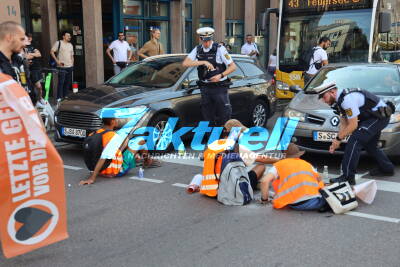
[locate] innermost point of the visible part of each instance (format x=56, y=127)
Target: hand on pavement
x=88, y=181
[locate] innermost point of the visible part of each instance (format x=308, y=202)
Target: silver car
x=318, y=124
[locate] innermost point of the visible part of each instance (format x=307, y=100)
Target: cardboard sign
x=32, y=199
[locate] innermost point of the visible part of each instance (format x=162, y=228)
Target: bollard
x=75, y=87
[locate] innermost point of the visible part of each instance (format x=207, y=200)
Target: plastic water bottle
x=325, y=174
x=141, y=172
x=181, y=150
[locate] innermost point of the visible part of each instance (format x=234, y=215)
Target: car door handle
x=249, y=84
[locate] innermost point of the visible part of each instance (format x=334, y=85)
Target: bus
x=359, y=30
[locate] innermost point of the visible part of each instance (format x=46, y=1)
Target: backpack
x=92, y=149
x=234, y=183
x=305, y=59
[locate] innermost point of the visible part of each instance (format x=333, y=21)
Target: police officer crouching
x=363, y=117
x=213, y=64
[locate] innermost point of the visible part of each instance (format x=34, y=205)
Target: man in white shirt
x=121, y=51
x=319, y=58
x=250, y=48
x=65, y=64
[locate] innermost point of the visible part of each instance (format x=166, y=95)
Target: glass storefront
x=235, y=35
x=140, y=16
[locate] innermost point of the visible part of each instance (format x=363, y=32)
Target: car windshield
x=379, y=80
x=159, y=73
x=348, y=31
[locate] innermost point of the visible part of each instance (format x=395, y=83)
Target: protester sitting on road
x=295, y=181
x=125, y=158
x=209, y=187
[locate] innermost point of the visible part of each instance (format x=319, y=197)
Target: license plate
x=74, y=132
x=327, y=136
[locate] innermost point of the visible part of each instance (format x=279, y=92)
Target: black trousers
x=366, y=136
x=215, y=105
x=64, y=81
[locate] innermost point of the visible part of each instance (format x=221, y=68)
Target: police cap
x=206, y=33
x=321, y=90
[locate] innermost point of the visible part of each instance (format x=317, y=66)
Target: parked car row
x=167, y=89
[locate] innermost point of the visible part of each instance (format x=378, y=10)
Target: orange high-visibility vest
x=212, y=168
x=296, y=180
x=116, y=163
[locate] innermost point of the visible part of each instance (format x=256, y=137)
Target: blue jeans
x=64, y=81
x=311, y=204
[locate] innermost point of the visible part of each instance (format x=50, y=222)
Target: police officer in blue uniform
x=213, y=64
x=363, y=117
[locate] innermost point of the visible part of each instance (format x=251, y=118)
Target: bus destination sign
x=324, y=5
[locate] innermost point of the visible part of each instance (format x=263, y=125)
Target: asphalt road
x=153, y=222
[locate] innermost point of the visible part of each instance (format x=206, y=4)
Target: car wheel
x=162, y=134
x=259, y=113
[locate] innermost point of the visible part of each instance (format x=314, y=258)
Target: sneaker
x=379, y=172
x=342, y=179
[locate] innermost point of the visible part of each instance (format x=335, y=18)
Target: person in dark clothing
x=12, y=41
x=34, y=56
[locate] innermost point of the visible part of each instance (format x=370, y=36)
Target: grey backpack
x=234, y=183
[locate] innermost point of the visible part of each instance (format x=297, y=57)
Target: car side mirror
x=295, y=89
x=189, y=84
x=385, y=22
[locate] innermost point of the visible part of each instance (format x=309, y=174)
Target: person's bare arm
x=129, y=54
x=53, y=55
x=324, y=62
x=265, y=181
x=266, y=159
x=344, y=131
x=93, y=176
x=108, y=52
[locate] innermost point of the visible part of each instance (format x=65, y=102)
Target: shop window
x=130, y=7
x=235, y=35
x=64, y=7
x=162, y=26
x=158, y=9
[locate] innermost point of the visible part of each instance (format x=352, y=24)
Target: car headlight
x=282, y=86
x=395, y=117
x=291, y=113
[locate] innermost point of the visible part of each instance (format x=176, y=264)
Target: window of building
x=235, y=35
x=131, y=7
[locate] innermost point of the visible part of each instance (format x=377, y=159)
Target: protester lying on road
x=124, y=159
x=209, y=185
x=296, y=183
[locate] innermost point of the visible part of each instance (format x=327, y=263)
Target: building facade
x=96, y=23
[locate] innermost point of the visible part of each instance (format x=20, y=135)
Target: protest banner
x=32, y=198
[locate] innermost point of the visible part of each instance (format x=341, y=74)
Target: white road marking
x=384, y=185
x=72, y=168
x=187, y=161
x=180, y=185
x=146, y=180
x=373, y=217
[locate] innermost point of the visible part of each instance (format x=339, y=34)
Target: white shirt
x=319, y=56
x=223, y=56
x=352, y=103
x=272, y=61
x=120, y=50
x=248, y=48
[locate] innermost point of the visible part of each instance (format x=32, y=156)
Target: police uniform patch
x=227, y=56
x=349, y=112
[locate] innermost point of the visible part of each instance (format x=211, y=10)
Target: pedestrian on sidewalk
x=152, y=47
x=121, y=53
x=65, y=64
x=12, y=44
x=250, y=48
x=295, y=181
x=34, y=57
x=272, y=63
